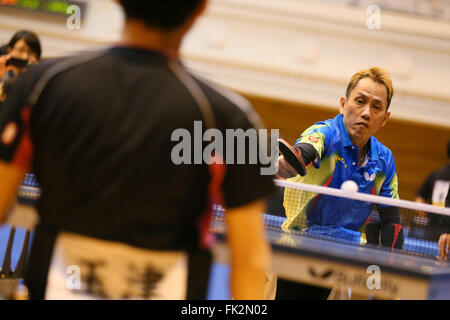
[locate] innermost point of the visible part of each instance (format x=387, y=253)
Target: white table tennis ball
x=349, y=186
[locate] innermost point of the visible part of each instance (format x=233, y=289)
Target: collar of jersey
x=142, y=50
x=373, y=152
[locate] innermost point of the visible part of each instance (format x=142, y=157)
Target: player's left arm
x=310, y=147
x=444, y=246
x=444, y=239
x=313, y=142
x=249, y=251
x=391, y=229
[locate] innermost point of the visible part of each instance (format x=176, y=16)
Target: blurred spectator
x=23, y=49
x=25, y=46
x=435, y=190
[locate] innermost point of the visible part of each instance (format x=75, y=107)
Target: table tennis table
x=326, y=263
x=311, y=260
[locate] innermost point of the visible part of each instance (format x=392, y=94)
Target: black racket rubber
x=292, y=156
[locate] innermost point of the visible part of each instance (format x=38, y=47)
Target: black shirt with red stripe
x=99, y=141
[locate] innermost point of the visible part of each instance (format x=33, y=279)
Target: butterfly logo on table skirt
x=321, y=275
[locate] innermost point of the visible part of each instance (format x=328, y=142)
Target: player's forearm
x=308, y=154
x=249, y=251
x=249, y=265
x=247, y=281
x=444, y=246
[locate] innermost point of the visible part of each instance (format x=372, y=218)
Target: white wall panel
x=301, y=51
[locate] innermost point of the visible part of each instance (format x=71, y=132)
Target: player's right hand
x=444, y=246
x=285, y=170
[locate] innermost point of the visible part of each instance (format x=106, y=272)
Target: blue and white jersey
x=337, y=163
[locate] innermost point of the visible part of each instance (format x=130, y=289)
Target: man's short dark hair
x=378, y=75
x=165, y=15
x=30, y=38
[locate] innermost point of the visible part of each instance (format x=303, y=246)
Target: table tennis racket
x=293, y=156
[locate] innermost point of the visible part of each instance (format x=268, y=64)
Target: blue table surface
x=219, y=287
x=19, y=238
x=410, y=244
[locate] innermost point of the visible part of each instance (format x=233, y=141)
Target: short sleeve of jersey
x=15, y=141
x=389, y=188
x=245, y=179
x=249, y=151
x=318, y=135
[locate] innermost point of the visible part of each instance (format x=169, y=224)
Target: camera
x=18, y=63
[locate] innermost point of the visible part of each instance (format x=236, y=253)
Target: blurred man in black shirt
x=97, y=130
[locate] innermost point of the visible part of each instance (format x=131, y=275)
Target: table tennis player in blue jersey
x=341, y=149
x=337, y=150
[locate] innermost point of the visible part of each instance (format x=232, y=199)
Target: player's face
x=365, y=111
